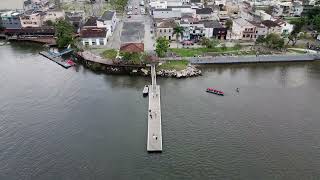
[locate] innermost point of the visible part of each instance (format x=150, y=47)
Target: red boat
x=69, y=61
x=214, y=91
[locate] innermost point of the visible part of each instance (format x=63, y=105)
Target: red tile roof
x=93, y=32
x=132, y=47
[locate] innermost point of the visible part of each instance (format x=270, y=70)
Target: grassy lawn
x=109, y=54
x=297, y=51
x=190, y=52
x=174, y=65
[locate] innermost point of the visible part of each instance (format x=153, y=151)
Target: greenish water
x=76, y=124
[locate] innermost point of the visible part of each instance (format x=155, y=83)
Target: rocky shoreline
x=190, y=71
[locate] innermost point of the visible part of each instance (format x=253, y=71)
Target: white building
x=286, y=28
x=92, y=35
x=109, y=21
x=158, y=5
x=32, y=19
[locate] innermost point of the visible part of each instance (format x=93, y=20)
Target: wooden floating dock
x=55, y=59
x=154, y=142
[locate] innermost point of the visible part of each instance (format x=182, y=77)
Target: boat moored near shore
x=214, y=91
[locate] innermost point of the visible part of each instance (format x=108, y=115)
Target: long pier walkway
x=154, y=115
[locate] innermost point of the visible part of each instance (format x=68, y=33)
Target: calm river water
x=76, y=124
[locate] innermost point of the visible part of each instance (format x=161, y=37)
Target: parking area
x=132, y=32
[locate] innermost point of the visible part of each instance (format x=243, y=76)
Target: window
x=86, y=43
x=256, y=31
x=93, y=43
x=101, y=41
x=165, y=30
x=35, y=23
x=160, y=30
x=169, y=30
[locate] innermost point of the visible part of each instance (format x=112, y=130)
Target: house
x=272, y=27
x=205, y=13
x=219, y=32
x=297, y=8
x=286, y=8
x=109, y=20
x=165, y=29
x=132, y=47
x=243, y=29
x=11, y=20
x=223, y=16
x=53, y=15
x=32, y=18
x=286, y=28
x=76, y=19
x=91, y=22
x=261, y=30
x=93, y=36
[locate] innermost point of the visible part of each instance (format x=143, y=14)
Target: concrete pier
x=154, y=142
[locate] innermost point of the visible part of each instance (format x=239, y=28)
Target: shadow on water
x=27, y=47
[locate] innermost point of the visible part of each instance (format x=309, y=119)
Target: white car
x=129, y=13
x=142, y=3
x=142, y=11
x=129, y=8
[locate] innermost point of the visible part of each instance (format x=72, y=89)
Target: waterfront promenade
x=154, y=142
x=248, y=59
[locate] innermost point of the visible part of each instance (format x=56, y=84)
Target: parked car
x=129, y=8
x=142, y=3
x=143, y=11
x=129, y=17
x=129, y=12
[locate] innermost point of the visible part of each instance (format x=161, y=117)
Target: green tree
x=298, y=24
x=274, y=41
x=178, y=31
x=162, y=46
x=209, y=43
x=229, y=24
x=64, y=33
x=260, y=40
x=49, y=23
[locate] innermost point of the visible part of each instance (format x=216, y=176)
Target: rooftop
x=132, y=47
x=242, y=22
x=211, y=24
x=269, y=23
x=92, y=21
x=204, y=11
x=107, y=15
x=169, y=23
x=93, y=32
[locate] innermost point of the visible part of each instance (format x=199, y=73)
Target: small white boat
x=145, y=91
x=2, y=43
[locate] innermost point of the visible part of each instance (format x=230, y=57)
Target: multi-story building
x=109, y=20
x=272, y=27
x=76, y=19
x=165, y=29
x=32, y=19
x=242, y=29
x=91, y=35
x=11, y=20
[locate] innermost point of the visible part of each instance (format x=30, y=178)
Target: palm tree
x=178, y=31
